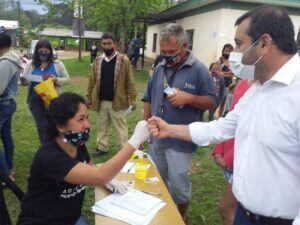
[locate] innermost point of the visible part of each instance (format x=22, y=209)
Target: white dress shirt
x=104, y=56
x=266, y=127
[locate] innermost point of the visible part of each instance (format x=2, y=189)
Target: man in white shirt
x=265, y=122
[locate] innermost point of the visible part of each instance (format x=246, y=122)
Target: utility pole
x=20, y=25
x=79, y=33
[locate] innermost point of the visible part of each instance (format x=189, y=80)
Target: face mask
x=77, y=139
x=225, y=55
x=174, y=60
x=238, y=68
x=108, y=51
x=44, y=57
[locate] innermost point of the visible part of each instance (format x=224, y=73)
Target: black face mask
x=172, y=60
x=77, y=139
x=108, y=51
x=225, y=55
x=44, y=57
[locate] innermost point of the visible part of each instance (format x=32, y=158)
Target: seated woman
x=62, y=168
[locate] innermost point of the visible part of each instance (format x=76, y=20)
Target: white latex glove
x=140, y=135
x=118, y=186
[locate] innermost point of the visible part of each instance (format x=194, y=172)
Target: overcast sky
x=30, y=4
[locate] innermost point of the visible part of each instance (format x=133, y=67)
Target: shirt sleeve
x=217, y=131
x=55, y=165
x=63, y=76
x=147, y=93
x=5, y=76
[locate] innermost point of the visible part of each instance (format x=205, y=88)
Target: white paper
x=137, y=201
x=129, y=110
x=106, y=208
x=129, y=167
x=34, y=78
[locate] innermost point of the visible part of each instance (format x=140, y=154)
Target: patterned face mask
x=77, y=139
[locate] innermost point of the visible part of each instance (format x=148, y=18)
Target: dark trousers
x=38, y=110
x=243, y=218
x=93, y=57
x=135, y=57
x=7, y=108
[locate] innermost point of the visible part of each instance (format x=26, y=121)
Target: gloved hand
x=140, y=135
x=118, y=186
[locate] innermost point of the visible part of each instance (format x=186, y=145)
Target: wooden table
x=168, y=215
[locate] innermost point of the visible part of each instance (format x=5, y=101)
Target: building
x=209, y=24
x=55, y=35
x=11, y=28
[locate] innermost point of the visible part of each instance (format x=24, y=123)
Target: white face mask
x=238, y=68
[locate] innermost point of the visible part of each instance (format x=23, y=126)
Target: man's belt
x=252, y=217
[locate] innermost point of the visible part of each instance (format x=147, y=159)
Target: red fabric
x=226, y=148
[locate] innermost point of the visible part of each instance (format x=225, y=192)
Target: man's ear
x=266, y=42
x=185, y=45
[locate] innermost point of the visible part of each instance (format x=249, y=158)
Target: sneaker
x=99, y=152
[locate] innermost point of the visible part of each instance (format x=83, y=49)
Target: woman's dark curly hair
x=60, y=110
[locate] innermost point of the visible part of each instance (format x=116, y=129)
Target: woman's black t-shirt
x=50, y=200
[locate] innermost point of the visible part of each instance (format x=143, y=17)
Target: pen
x=151, y=193
x=130, y=168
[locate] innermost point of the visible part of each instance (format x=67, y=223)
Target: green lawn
x=207, y=179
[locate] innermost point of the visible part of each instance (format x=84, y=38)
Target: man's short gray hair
x=173, y=29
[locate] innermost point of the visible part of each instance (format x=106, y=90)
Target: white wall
x=149, y=41
x=211, y=31
x=296, y=22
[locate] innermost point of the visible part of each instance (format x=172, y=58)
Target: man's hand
x=133, y=105
x=219, y=160
x=179, y=98
x=158, y=127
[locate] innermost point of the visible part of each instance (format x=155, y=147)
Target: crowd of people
x=251, y=90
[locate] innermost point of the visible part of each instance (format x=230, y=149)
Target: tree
x=116, y=15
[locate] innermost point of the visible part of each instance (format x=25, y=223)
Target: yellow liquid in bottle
x=141, y=169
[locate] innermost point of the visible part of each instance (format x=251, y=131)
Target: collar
x=190, y=60
x=107, y=59
x=288, y=71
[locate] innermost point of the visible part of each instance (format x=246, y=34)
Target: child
x=216, y=73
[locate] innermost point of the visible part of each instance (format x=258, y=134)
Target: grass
x=206, y=178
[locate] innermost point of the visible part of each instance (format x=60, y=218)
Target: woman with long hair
x=42, y=67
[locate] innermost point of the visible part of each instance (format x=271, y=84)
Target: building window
x=154, y=42
x=190, y=38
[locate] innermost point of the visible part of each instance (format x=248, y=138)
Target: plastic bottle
x=141, y=169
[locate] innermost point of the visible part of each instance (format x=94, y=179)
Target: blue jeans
x=3, y=163
x=81, y=221
x=135, y=57
x=7, y=108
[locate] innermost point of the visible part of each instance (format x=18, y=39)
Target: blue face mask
x=77, y=139
x=44, y=57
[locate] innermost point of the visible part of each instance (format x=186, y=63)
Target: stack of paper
x=134, y=207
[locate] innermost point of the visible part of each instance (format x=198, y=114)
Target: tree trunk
x=123, y=33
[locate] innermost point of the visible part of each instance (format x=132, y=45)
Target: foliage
x=116, y=15
x=59, y=13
